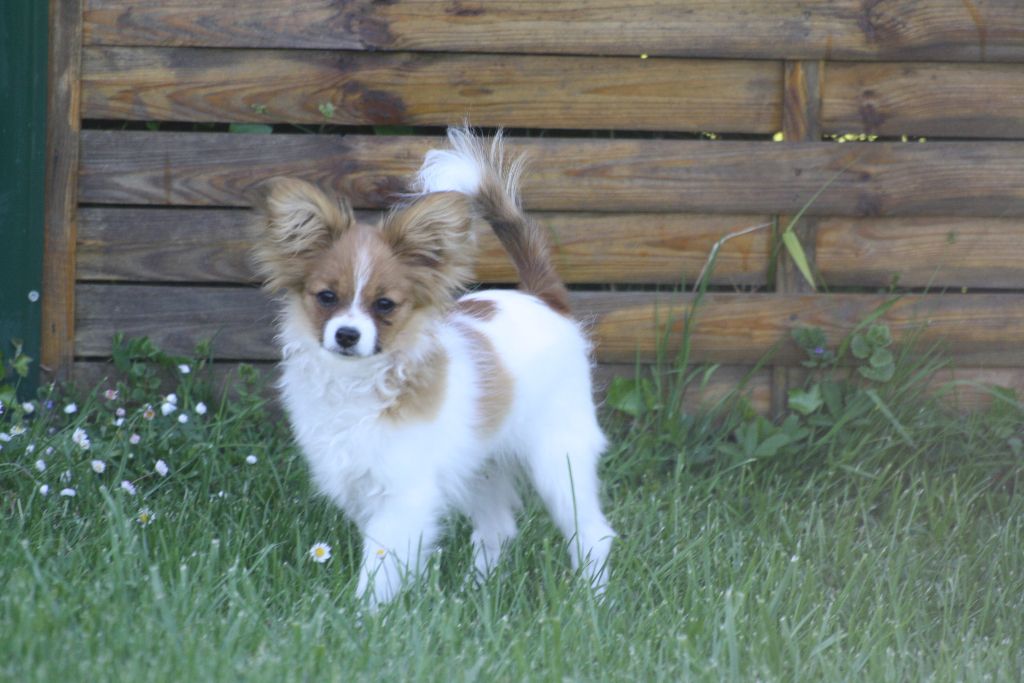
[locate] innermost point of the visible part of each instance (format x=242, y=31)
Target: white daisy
x=200, y=408
x=166, y=408
x=184, y=369
x=68, y=493
x=118, y=421
x=148, y=413
x=5, y=437
x=110, y=394
x=183, y=418
x=128, y=487
x=134, y=439
x=28, y=407
x=41, y=465
x=172, y=399
x=17, y=430
x=320, y=552
x=251, y=459
x=161, y=468
x=81, y=439
x=145, y=517
x=70, y=409
x=31, y=448
x=98, y=466
x=65, y=476
x=44, y=490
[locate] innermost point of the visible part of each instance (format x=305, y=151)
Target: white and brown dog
x=410, y=402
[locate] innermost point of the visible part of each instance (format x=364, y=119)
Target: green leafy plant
x=15, y=369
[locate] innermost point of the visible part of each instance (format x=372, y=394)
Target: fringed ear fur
x=296, y=221
x=434, y=237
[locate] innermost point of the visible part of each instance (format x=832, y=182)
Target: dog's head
x=363, y=287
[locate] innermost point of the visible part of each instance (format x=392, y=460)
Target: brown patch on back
x=495, y=381
x=480, y=309
x=423, y=390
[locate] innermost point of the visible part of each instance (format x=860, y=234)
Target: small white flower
x=148, y=413
x=183, y=418
x=31, y=448
x=161, y=468
x=65, y=476
x=120, y=412
x=5, y=437
x=145, y=517
x=134, y=439
x=98, y=466
x=17, y=430
x=166, y=408
x=200, y=408
x=68, y=493
x=251, y=459
x=70, y=409
x=29, y=407
x=41, y=465
x=49, y=449
x=110, y=394
x=118, y=421
x=184, y=369
x=128, y=487
x=320, y=552
x=81, y=439
x=44, y=490
x=172, y=399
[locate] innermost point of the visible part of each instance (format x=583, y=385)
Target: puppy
x=410, y=402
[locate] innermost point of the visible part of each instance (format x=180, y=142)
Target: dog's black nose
x=347, y=337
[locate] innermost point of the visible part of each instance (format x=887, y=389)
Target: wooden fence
x=145, y=224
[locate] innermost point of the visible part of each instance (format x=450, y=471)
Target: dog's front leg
x=396, y=543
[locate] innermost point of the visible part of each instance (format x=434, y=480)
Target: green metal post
x=23, y=49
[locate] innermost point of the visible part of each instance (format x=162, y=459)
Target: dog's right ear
x=296, y=221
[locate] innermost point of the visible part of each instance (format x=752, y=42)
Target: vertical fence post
x=63, y=125
x=22, y=130
x=801, y=122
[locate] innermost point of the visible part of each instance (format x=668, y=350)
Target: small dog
x=410, y=402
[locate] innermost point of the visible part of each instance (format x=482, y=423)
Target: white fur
x=398, y=480
x=459, y=169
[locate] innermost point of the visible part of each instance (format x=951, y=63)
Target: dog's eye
x=327, y=298
x=383, y=305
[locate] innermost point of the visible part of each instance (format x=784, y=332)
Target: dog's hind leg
x=562, y=465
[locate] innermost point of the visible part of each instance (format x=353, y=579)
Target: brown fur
x=496, y=382
x=423, y=390
x=480, y=309
x=524, y=240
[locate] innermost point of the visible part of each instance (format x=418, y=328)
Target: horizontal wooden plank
x=983, y=329
x=702, y=394
x=942, y=100
x=723, y=176
x=948, y=30
x=922, y=252
x=358, y=88
x=212, y=245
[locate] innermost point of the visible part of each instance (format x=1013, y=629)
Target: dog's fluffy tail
x=481, y=171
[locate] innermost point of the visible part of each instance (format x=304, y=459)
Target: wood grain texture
x=940, y=100
x=922, y=252
x=979, y=30
x=212, y=245
x=211, y=169
x=723, y=383
x=62, y=159
x=983, y=329
x=183, y=84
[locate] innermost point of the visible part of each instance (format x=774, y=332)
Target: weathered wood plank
x=922, y=252
x=315, y=87
x=983, y=329
x=943, y=100
x=210, y=169
x=991, y=30
x=62, y=160
x=212, y=245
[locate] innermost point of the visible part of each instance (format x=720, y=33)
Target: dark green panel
x=23, y=51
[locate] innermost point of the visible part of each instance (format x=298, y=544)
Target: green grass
x=885, y=546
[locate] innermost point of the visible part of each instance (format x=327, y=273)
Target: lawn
x=877, y=539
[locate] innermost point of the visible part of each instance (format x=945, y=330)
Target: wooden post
x=801, y=122
x=57, y=341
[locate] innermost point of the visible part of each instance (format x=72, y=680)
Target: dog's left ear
x=434, y=237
